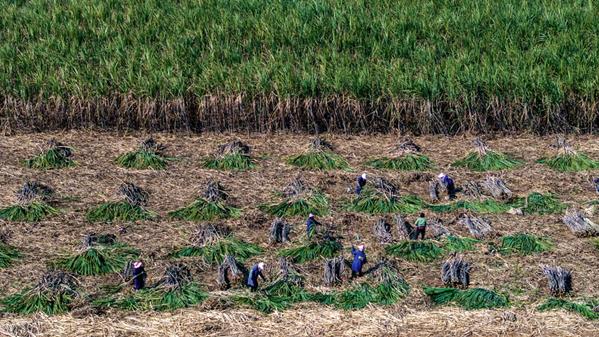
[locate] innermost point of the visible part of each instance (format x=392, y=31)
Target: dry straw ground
x=96, y=178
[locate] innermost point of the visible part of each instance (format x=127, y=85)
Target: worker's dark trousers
x=420, y=231
x=354, y=274
x=253, y=288
x=451, y=191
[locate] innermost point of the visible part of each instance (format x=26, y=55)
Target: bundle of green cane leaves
x=299, y=200
x=389, y=289
x=53, y=295
x=99, y=254
x=524, y=244
x=407, y=158
x=232, y=156
x=321, y=246
x=319, y=156
x=483, y=159
x=382, y=197
x=33, y=204
x=8, y=253
x=416, y=251
x=454, y=244
x=212, y=243
x=149, y=155
x=470, y=299
x=211, y=205
x=568, y=159
x=132, y=208
x=587, y=308
x=55, y=156
x=541, y=204
x=476, y=206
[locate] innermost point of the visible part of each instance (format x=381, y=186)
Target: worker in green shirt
x=420, y=226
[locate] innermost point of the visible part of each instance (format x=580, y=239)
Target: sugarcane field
x=505, y=251
x=299, y=168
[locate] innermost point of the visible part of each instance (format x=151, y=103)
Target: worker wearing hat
x=310, y=224
x=448, y=183
x=139, y=275
x=360, y=182
x=359, y=260
x=256, y=272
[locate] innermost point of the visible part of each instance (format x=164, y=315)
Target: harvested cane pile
x=558, y=279
x=210, y=206
x=213, y=243
x=382, y=231
x=455, y=272
x=568, y=159
x=319, y=156
x=470, y=299
x=483, y=159
x=333, y=271
x=279, y=231
x=132, y=208
x=229, y=271
x=407, y=158
x=32, y=204
x=433, y=190
x=524, y=244
x=8, y=253
x=53, y=295
x=437, y=230
x=579, y=224
x=404, y=229
x=323, y=246
x=496, y=188
x=232, y=156
x=299, y=199
x=480, y=228
x=149, y=155
x=99, y=254
x=54, y=156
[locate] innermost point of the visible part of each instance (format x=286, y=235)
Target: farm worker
x=310, y=223
x=139, y=275
x=596, y=182
x=360, y=182
x=448, y=183
x=420, y=226
x=253, y=276
x=359, y=260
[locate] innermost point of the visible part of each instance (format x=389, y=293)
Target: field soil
x=96, y=178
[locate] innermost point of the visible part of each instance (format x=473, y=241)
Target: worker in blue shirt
x=449, y=185
x=255, y=272
x=310, y=224
x=359, y=260
x=360, y=182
